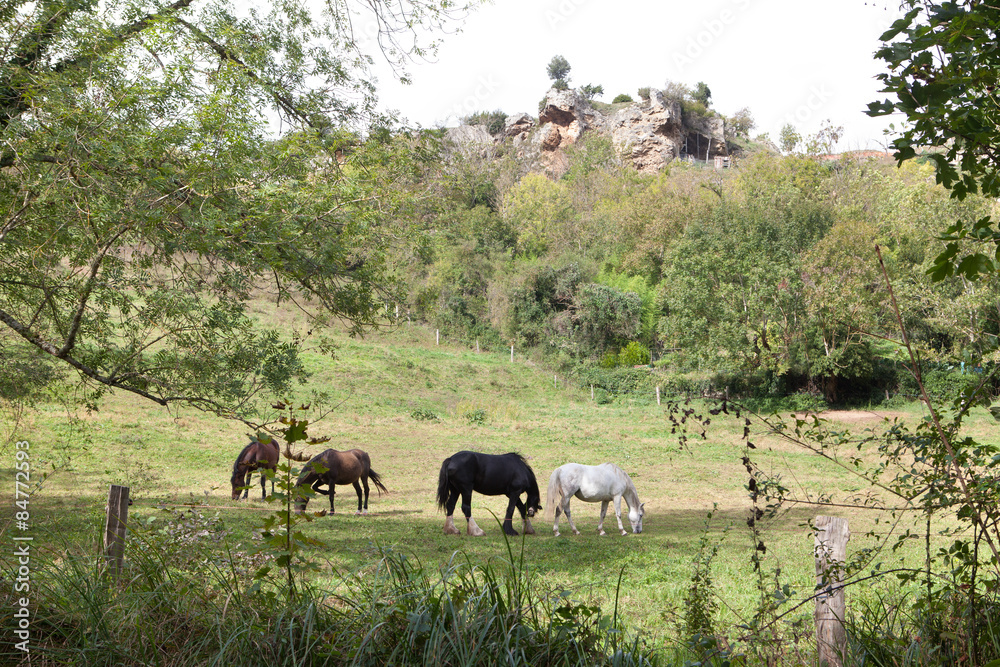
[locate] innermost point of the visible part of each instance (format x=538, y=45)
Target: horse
x=604, y=483
x=350, y=467
x=492, y=475
x=262, y=452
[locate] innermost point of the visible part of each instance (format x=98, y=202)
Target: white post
x=477, y=346
x=397, y=312
x=832, y=534
x=657, y=394
x=437, y=336
x=591, y=392
x=511, y=354
x=555, y=381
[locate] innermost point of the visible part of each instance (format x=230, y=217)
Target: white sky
x=798, y=61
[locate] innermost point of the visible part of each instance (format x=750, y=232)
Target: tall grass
x=178, y=603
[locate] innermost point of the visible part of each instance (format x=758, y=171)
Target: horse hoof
x=556, y=533
x=576, y=532
x=529, y=531
x=601, y=532
x=624, y=532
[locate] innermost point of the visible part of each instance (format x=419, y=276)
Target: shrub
x=622, y=97
x=634, y=354
x=644, y=93
x=493, y=120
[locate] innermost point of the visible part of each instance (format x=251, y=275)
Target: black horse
x=491, y=475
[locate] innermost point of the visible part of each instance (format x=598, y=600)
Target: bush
x=622, y=98
x=634, y=354
x=493, y=120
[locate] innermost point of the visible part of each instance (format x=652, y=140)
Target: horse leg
x=449, y=520
x=618, y=514
x=263, y=485
x=528, y=530
x=364, y=481
x=508, y=518
x=357, y=487
x=604, y=510
x=569, y=517
x=471, y=527
x=246, y=483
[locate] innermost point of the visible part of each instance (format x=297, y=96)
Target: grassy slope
x=382, y=380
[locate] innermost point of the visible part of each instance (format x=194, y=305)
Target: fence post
x=511, y=354
x=591, y=392
x=114, y=528
x=657, y=394
x=437, y=336
x=832, y=534
x=477, y=346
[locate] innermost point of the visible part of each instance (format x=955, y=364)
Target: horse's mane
x=239, y=457
x=524, y=462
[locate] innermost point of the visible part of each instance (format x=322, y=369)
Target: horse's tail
x=443, y=484
x=377, y=481
x=554, y=497
x=292, y=456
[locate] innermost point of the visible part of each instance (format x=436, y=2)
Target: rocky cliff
x=647, y=134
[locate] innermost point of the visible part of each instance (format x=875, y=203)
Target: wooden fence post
x=114, y=528
x=832, y=534
x=437, y=336
x=657, y=394
x=511, y=354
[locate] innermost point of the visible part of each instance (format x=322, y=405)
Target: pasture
x=410, y=404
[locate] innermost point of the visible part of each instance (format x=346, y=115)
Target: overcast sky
x=798, y=61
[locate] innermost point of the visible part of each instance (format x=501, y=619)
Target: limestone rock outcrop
x=649, y=134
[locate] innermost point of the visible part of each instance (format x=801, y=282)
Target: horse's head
x=635, y=517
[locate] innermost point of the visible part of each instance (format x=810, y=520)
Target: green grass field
x=482, y=402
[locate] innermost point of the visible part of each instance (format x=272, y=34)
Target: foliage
x=622, y=97
x=789, y=138
x=558, y=70
x=145, y=198
x=824, y=142
x=702, y=94
x=644, y=93
x=605, y=317
x=741, y=123
x=493, y=120
x=590, y=91
x=634, y=354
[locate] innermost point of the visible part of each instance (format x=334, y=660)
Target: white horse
x=603, y=483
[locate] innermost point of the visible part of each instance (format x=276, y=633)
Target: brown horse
x=262, y=452
x=350, y=467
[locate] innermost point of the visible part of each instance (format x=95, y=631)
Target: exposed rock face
x=563, y=119
x=649, y=135
x=468, y=136
x=706, y=138
x=518, y=126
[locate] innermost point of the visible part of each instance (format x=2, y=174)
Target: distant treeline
x=762, y=279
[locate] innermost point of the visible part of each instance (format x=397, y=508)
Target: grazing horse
x=603, y=483
x=491, y=475
x=350, y=467
x=262, y=452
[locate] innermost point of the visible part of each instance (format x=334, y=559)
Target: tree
x=789, y=138
x=702, y=94
x=943, y=69
x=145, y=198
x=589, y=91
x=558, y=70
x=740, y=124
x=622, y=97
x=825, y=141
